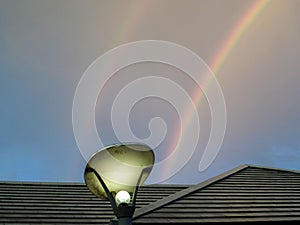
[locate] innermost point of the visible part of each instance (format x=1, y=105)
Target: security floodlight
x=116, y=172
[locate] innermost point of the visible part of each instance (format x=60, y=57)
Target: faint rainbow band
x=227, y=46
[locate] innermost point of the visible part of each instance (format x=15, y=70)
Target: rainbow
x=132, y=20
x=218, y=61
x=236, y=34
x=230, y=42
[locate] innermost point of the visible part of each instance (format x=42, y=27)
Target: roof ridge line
x=164, y=201
x=274, y=168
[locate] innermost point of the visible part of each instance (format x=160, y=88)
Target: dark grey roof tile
x=247, y=193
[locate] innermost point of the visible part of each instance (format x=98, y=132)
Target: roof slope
x=247, y=193
x=64, y=203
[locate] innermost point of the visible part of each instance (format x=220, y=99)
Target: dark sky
x=46, y=47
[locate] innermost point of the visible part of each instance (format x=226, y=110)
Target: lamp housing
x=122, y=167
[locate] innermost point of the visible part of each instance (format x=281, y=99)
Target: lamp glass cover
x=122, y=167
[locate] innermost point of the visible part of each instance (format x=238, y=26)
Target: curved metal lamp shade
x=121, y=167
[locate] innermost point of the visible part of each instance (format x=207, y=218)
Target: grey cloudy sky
x=46, y=46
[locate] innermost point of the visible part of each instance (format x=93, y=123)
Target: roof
x=244, y=194
x=247, y=193
x=65, y=203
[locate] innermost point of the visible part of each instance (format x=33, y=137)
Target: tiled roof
x=247, y=193
x=64, y=203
